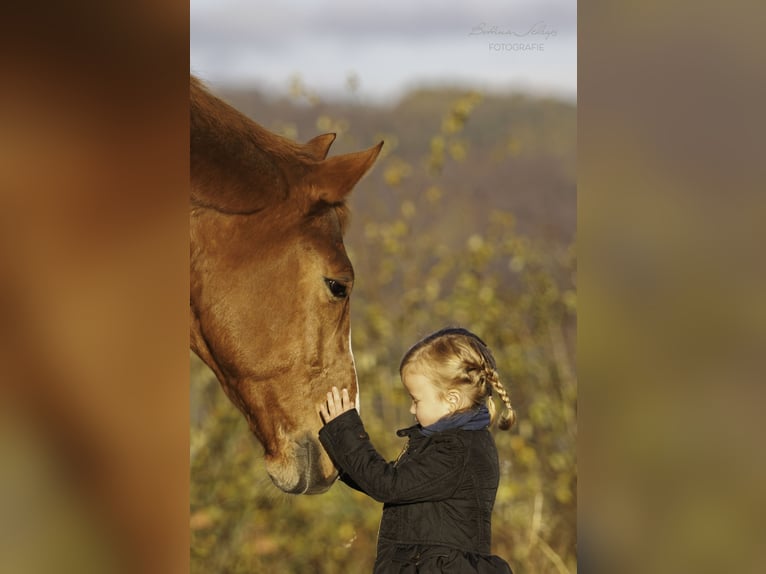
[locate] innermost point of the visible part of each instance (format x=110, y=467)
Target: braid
x=491, y=380
x=488, y=380
x=508, y=417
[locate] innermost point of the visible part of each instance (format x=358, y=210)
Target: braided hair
x=456, y=359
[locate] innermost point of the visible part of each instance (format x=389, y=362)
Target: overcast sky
x=390, y=45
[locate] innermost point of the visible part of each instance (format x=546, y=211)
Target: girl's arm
x=431, y=475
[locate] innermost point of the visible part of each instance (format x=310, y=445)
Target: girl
x=438, y=495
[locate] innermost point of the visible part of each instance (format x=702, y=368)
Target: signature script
x=537, y=29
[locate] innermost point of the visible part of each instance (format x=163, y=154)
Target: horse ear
x=319, y=146
x=334, y=178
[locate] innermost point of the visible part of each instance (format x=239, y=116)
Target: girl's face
x=428, y=403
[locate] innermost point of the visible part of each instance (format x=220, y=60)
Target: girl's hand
x=336, y=404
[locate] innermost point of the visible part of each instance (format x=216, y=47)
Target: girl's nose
x=412, y=409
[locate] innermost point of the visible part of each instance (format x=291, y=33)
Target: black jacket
x=438, y=496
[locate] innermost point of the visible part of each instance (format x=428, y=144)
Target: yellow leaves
x=460, y=112
x=516, y=264
x=288, y=130
x=570, y=300
x=465, y=105
x=386, y=271
x=523, y=454
x=540, y=412
x=458, y=149
x=486, y=294
x=346, y=531
x=562, y=489
x=371, y=230
x=396, y=171
x=407, y=209
x=558, y=462
x=468, y=282
x=391, y=144
x=298, y=89
x=475, y=242
x=514, y=146
x=451, y=125
x=436, y=157
x=563, y=493
x=432, y=290
x=326, y=124
x=365, y=360
x=437, y=146
x=525, y=429
x=434, y=194
x=380, y=323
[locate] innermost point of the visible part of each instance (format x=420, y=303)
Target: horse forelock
x=339, y=209
x=344, y=214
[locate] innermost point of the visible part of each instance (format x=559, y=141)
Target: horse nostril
x=316, y=480
x=302, y=471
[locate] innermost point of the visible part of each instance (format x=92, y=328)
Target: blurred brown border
x=94, y=287
x=671, y=283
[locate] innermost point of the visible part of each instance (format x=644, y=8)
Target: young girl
x=438, y=495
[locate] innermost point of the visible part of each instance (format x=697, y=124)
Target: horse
x=270, y=279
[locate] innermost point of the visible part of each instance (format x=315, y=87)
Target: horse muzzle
x=304, y=468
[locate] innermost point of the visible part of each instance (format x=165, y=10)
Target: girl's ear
x=453, y=399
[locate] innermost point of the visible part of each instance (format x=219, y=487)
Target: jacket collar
x=409, y=431
x=475, y=419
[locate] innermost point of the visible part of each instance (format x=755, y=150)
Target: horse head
x=270, y=279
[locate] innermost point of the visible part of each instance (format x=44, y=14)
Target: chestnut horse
x=270, y=279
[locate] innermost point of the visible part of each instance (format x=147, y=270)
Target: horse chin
x=302, y=469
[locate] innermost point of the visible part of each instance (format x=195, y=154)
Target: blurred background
x=468, y=218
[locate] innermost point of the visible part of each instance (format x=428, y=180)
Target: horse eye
x=338, y=289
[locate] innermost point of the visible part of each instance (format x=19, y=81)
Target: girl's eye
x=339, y=290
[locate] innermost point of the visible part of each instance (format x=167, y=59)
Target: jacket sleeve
x=430, y=476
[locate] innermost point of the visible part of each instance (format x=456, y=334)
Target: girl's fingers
x=337, y=402
x=331, y=401
x=334, y=403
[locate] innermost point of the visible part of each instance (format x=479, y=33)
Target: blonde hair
x=456, y=359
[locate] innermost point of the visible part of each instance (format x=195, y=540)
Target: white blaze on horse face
x=356, y=379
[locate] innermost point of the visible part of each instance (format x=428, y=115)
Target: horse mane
x=237, y=166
